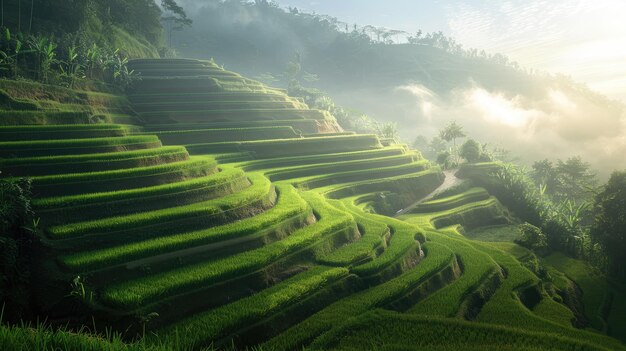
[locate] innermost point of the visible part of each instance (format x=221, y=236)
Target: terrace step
x=299, y=335
x=450, y=202
x=122, y=179
x=155, y=107
x=336, y=169
x=302, y=125
x=49, y=165
x=250, y=320
x=292, y=147
x=10, y=149
x=289, y=213
x=223, y=115
x=182, y=137
x=282, y=162
x=331, y=226
x=134, y=227
x=374, y=239
x=366, y=174
x=199, y=96
x=67, y=131
x=70, y=208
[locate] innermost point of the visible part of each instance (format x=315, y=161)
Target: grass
x=204, y=328
x=76, y=183
x=303, y=125
x=470, y=215
x=83, y=207
x=316, y=159
x=92, y=162
x=292, y=147
x=225, y=134
x=374, y=236
x=505, y=307
x=410, y=332
x=438, y=256
x=42, y=338
x=593, y=285
x=446, y=203
x=169, y=218
x=234, y=114
x=367, y=175
x=65, y=131
x=335, y=169
x=447, y=302
x=76, y=146
x=134, y=293
x=289, y=204
x=502, y=233
x=215, y=105
x=198, y=233
x=413, y=184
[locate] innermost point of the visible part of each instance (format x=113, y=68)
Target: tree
x=532, y=237
x=388, y=130
x=451, y=132
x=609, y=228
x=471, y=151
x=443, y=159
x=293, y=72
x=575, y=180
x=545, y=176
x=175, y=17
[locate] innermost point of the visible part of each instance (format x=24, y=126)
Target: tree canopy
x=609, y=228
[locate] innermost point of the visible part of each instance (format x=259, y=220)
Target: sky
x=585, y=39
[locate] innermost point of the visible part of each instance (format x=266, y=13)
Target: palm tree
x=451, y=132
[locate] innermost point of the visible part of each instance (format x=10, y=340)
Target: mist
x=422, y=87
x=560, y=124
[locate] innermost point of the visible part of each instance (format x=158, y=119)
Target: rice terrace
x=260, y=175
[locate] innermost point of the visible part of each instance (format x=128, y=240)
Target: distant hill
x=429, y=82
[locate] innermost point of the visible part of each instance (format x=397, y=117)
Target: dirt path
x=449, y=181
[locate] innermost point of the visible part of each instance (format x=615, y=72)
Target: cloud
x=559, y=124
x=582, y=38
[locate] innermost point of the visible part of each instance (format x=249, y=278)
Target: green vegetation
x=134, y=293
x=410, y=331
x=76, y=146
x=93, y=162
x=203, y=328
x=183, y=252
x=288, y=205
x=169, y=218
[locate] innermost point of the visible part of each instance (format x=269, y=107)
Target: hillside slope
x=232, y=214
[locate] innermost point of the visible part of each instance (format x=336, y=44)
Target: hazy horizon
x=585, y=39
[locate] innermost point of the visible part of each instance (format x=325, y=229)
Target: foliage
x=609, y=228
x=388, y=130
x=571, y=179
x=532, y=238
x=175, y=17
x=289, y=205
x=444, y=160
x=17, y=224
x=451, y=132
x=62, y=61
x=59, y=18
x=471, y=151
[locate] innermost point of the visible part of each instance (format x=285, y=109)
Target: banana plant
x=44, y=49
x=9, y=55
x=72, y=69
x=95, y=62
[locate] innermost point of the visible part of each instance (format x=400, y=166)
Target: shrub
x=532, y=237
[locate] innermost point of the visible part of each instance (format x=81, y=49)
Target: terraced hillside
x=232, y=214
